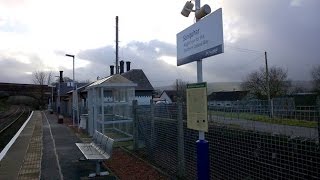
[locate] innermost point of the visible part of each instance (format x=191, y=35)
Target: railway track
x=9, y=112
x=11, y=122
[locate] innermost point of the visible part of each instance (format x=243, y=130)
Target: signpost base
x=203, y=160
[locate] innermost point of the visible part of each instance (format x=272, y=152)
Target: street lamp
x=203, y=166
x=74, y=91
x=69, y=55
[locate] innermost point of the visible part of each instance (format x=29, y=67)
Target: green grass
x=264, y=118
x=3, y=105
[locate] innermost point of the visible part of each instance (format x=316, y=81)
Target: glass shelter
x=110, y=107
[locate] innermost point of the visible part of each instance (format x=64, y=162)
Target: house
x=226, y=98
x=62, y=96
x=144, y=90
x=66, y=89
x=169, y=96
x=82, y=98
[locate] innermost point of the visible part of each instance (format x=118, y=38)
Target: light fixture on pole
x=187, y=9
x=199, y=12
x=74, y=90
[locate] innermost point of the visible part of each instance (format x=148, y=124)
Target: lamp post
x=74, y=91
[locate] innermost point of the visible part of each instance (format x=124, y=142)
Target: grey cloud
x=155, y=46
x=99, y=56
x=288, y=33
x=143, y=55
x=14, y=72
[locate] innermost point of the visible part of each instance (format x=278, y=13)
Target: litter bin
x=60, y=119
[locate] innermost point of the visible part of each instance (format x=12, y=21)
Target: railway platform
x=45, y=149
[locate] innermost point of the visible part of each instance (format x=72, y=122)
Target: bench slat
x=92, y=153
x=99, y=149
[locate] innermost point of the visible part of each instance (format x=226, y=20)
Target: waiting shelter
x=110, y=107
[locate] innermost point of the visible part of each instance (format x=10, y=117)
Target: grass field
x=3, y=105
x=267, y=119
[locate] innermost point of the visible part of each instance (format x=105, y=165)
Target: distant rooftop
x=137, y=76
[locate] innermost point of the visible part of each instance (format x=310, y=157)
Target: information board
x=197, y=107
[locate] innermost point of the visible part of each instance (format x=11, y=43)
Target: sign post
x=201, y=40
x=197, y=119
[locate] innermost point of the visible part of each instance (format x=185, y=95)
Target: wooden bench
x=99, y=149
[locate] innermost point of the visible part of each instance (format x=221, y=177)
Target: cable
x=244, y=49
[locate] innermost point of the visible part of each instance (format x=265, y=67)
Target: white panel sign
x=202, y=39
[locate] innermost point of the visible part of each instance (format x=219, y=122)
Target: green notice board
x=197, y=107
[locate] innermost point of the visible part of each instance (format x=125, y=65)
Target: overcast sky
x=35, y=35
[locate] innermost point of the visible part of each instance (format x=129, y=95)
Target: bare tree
x=315, y=73
x=256, y=83
x=42, y=78
x=180, y=86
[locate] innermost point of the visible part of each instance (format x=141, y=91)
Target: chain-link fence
x=246, y=140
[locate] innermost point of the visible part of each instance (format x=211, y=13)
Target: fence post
x=271, y=108
x=152, y=135
x=135, y=125
x=181, y=160
x=318, y=118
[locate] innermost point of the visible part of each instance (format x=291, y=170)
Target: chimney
x=61, y=76
x=121, y=67
x=128, y=65
x=111, y=70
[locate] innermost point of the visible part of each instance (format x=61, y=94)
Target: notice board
x=197, y=107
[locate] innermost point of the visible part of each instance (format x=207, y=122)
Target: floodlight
x=70, y=55
x=203, y=11
x=187, y=9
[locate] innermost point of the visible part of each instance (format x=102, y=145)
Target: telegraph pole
x=117, y=47
x=268, y=85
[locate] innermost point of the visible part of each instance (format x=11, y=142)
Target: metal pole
x=199, y=68
x=268, y=85
x=59, y=98
x=203, y=164
x=51, y=97
x=73, y=117
x=117, y=47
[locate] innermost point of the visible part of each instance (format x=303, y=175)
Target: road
x=292, y=131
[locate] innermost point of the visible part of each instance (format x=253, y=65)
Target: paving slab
x=60, y=140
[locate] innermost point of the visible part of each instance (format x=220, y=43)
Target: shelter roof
x=114, y=80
